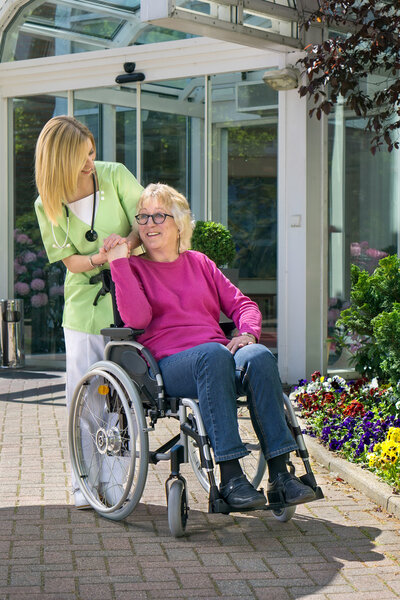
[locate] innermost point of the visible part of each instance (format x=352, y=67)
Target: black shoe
x=289, y=489
x=240, y=494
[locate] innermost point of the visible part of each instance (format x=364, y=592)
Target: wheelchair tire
x=108, y=440
x=253, y=465
x=177, y=508
x=285, y=514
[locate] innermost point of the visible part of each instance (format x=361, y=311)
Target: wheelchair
x=115, y=406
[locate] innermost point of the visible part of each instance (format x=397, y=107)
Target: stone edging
x=362, y=480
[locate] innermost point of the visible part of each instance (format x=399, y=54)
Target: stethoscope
x=91, y=235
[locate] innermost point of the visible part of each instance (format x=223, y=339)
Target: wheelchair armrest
x=121, y=333
x=228, y=327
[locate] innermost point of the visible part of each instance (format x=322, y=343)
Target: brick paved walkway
x=339, y=548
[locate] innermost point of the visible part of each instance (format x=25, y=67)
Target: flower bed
x=360, y=420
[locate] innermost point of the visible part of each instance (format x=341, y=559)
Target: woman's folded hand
x=119, y=251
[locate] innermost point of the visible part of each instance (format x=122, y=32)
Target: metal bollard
x=12, y=353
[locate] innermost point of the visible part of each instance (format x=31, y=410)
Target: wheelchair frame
x=132, y=400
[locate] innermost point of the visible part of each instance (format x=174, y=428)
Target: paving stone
x=341, y=548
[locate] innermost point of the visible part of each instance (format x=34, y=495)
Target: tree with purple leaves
x=358, y=64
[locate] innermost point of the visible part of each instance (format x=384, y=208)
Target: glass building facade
x=303, y=200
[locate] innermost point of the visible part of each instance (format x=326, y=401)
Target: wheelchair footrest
x=219, y=506
x=309, y=479
x=276, y=500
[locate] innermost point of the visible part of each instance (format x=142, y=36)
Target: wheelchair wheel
x=253, y=465
x=108, y=440
x=177, y=508
x=284, y=514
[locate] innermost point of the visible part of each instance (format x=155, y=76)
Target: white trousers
x=82, y=350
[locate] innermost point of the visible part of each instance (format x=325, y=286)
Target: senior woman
x=176, y=295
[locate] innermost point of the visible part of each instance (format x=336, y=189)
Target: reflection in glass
x=69, y=27
x=252, y=186
x=63, y=17
x=37, y=282
x=363, y=212
x=126, y=137
x=245, y=147
x=89, y=113
x=172, y=136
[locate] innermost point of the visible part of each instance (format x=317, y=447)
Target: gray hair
x=176, y=204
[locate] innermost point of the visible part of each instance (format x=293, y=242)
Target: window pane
x=56, y=28
x=57, y=16
x=37, y=282
x=363, y=211
x=245, y=148
x=172, y=136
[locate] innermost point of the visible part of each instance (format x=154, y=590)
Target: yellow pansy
x=394, y=434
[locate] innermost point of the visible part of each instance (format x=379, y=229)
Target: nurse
x=85, y=208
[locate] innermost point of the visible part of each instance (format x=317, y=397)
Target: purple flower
x=39, y=300
x=28, y=257
x=38, y=273
x=22, y=238
x=19, y=269
x=56, y=290
x=21, y=288
x=37, y=284
x=334, y=444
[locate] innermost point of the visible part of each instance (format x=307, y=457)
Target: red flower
x=354, y=408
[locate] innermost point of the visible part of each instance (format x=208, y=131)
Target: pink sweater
x=178, y=303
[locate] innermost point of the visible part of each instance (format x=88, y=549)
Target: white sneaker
x=80, y=501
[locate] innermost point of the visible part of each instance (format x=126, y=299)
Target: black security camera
x=129, y=77
x=129, y=67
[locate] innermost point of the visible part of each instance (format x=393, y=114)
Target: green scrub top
x=119, y=192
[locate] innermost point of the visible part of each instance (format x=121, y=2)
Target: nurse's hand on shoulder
x=119, y=251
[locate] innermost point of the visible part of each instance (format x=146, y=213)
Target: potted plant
x=216, y=241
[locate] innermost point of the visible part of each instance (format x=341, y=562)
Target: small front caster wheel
x=177, y=508
x=284, y=514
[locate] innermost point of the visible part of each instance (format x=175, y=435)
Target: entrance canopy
x=272, y=24
x=40, y=28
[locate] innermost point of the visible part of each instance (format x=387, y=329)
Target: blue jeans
x=212, y=374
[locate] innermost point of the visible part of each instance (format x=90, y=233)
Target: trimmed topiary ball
x=214, y=240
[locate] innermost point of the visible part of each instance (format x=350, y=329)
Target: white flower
x=340, y=381
x=312, y=387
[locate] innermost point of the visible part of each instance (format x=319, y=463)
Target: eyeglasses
x=158, y=218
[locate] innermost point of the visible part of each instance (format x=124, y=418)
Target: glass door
x=172, y=123
x=39, y=284
x=245, y=148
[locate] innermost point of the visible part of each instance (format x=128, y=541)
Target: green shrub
x=214, y=240
x=371, y=326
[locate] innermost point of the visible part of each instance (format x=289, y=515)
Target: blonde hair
x=176, y=204
x=61, y=152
